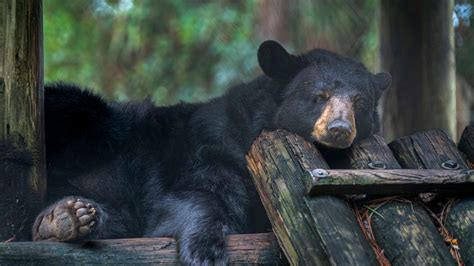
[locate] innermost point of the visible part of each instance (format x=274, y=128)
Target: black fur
x=180, y=170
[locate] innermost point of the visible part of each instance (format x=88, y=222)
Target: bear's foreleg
x=198, y=220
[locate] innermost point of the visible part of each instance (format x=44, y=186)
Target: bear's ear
x=382, y=80
x=276, y=62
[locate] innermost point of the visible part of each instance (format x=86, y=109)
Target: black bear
x=130, y=170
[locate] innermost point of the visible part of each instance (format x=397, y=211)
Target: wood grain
x=402, y=229
x=21, y=112
x=466, y=144
x=241, y=249
x=430, y=150
x=397, y=181
x=426, y=150
x=460, y=222
x=311, y=231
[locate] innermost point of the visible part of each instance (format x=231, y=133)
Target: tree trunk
x=311, y=231
x=417, y=48
x=21, y=112
x=274, y=20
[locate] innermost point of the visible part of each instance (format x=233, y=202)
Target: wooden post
x=21, y=112
x=241, y=249
x=402, y=229
x=435, y=150
x=417, y=48
x=311, y=231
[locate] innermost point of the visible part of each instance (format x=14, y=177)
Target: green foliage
x=182, y=50
x=170, y=50
x=191, y=50
x=346, y=27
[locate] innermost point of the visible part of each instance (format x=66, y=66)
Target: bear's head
x=325, y=97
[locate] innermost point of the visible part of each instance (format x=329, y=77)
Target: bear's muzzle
x=335, y=127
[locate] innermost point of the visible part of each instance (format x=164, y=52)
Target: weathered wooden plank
x=466, y=143
x=460, y=222
x=427, y=150
x=408, y=236
x=21, y=113
x=372, y=153
x=241, y=249
x=434, y=150
x=311, y=231
x=460, y=219
x=383, y=182
x=403, y=230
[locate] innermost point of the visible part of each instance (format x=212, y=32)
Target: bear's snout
x=335, y=127
x=340, y=129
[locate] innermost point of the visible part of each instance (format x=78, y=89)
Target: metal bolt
x=450, y=165
x=377, y=165
x=319, y=173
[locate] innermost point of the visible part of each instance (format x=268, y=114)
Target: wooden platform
x=298, y=190
x=314, y=221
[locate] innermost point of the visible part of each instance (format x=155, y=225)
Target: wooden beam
x=21, y=114
x=402, y=229
x=407, y=235
x=241, y=249
x=417, y=48
x=460, y=223
x=431, y=149
x=384, y=182
x=435, y=150
x=466, y=144
x=311, y=231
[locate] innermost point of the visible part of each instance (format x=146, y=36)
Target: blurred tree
x=273, y=20
x=346, y=27
x=172, y=49
x=176, y=50
x=181, y=50
x=464, y=37
x=417, y=48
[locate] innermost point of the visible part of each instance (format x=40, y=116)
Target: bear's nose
x=340, y=128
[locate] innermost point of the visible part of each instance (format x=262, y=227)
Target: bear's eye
x=321, y=97
x=360, y=103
